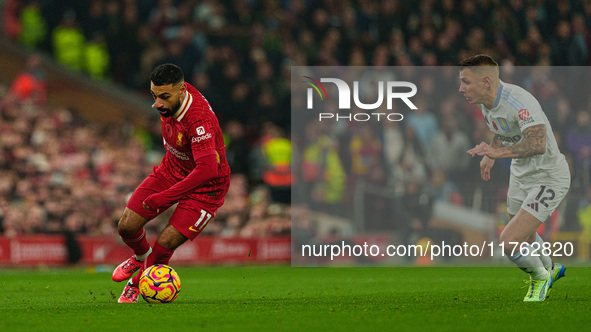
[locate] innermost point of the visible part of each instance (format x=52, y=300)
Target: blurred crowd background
x=59, y=171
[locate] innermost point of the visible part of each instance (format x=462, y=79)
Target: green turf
x=265, y=298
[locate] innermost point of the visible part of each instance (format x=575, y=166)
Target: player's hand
x=147, y=208
x=149, y=205
x=485, y=165
x=484, y=149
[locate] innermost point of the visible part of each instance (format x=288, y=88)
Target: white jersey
x=513, y=111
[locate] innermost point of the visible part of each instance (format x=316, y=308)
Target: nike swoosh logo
x=192, y=228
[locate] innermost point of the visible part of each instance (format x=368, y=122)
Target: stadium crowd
x=56, y=167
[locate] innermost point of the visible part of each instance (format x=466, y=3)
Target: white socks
x=530, y=264
x=143, y=257
x=546, y=260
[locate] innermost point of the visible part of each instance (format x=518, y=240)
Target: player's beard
x=168, y=112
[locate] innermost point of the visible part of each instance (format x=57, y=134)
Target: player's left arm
x=206, y=168
x=534, y=143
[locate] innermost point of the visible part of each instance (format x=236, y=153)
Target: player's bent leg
x=131, y=225
x=515, y=240
x=131, y=229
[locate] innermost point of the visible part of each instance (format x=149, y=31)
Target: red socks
x=136, y=241
x=159, y=255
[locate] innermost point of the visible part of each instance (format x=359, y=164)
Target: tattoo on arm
x=497, y=141
x=533, y=144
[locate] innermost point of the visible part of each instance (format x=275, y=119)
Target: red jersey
x=193, y=132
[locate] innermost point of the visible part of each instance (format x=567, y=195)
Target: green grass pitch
x=270, y=298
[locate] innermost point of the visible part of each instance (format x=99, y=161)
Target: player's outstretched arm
x=534, y=143
x=484, y=149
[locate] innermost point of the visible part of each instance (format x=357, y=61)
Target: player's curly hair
x=167, y=73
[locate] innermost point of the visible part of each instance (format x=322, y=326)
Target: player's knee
x=130, y=222
x=170, y=238
x=171, y=241
x=125, y=227
x=167, y=243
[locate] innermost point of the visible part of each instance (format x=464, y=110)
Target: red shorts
x=193, y=212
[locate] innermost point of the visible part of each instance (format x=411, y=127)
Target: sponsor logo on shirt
x=527, y=121
x=201, y=138
x=175, y=152
x=524, y=117
x=509, y=139
x=200, y=130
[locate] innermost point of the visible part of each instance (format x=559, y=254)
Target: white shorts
x=539, y=194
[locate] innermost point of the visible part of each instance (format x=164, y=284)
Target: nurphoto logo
x=389, y=90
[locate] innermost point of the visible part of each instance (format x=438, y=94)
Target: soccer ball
x=160, y=284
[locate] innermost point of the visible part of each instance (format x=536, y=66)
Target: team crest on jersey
x=503, y=124
x=200, y=130
x=179, y=139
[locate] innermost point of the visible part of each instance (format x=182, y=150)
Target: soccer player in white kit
x=540, y=176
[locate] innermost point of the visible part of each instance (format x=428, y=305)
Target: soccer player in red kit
x=194, y=172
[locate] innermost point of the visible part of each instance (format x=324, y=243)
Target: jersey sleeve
x=202, y=136
x=529, y=114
